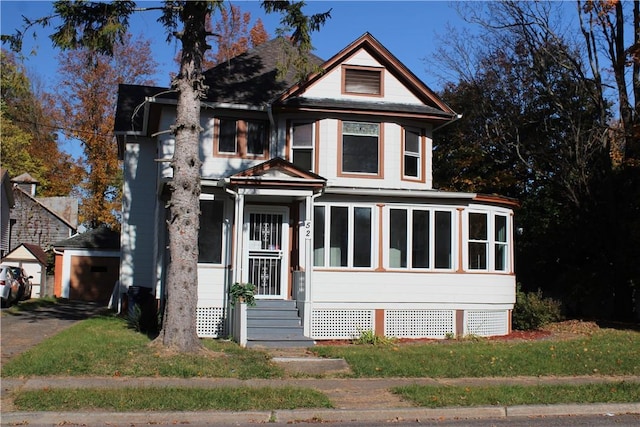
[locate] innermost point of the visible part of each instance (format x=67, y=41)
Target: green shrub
x=532, y=310
x=369, y=337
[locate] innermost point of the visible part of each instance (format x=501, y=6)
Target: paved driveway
x=22, y=330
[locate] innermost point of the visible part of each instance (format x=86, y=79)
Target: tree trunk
x=183, y=222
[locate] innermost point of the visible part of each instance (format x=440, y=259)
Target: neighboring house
x=320, y=193
x=87, y=265
x=40, y=221
x=6, y=203
x=34, y=261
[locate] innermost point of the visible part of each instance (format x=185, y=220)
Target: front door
x=266, y=257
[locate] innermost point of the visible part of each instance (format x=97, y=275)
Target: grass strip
x=170, y=399
x=444, y=396
x=105, y=346
x=606, y=352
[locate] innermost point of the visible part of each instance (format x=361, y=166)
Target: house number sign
x=307, y=230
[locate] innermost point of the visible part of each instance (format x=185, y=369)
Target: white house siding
x=139, y=200
x=212, y=307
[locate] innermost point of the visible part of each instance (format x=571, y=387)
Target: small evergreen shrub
x=533, y=311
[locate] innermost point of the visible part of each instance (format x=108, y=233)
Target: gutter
x=455, y=119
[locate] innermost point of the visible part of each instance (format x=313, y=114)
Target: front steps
x=275, y=324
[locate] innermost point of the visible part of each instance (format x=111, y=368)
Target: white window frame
x=311, y=148
x=417, y=155
x=350, y=237
x=380, y=147
x=432, y=237
x=490, y=242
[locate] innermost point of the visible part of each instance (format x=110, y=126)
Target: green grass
x=437, y=397
x=606, y=352
x=171, y=399
x=104, y=346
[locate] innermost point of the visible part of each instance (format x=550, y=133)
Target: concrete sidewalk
x=353, y=399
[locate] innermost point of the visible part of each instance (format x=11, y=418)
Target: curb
x=315, y=415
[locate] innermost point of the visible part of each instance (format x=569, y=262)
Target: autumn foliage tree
x=87, y=98
x=29, y=142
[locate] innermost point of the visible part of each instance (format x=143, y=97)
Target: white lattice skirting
x=419, y=323
x=329, y=324
x=210, y=322
x=486, y=323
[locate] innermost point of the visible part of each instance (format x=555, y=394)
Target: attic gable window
x=362, y=81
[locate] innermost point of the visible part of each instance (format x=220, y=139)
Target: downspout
x=272, y=123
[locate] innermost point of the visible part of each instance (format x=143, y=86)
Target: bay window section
x=360, y=148
x=500, y=243
x=443, y=241
x=478, y=243
x=210, y=232
x=397, y=238
x=420, y=239
x=343, y=236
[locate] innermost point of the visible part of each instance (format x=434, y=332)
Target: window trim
x=314, y=141
x=420, y=155
x=379, y=70
x=326, y=247
x=490, y=242
x=410, y=237
x=341, y=172
x=242, y=125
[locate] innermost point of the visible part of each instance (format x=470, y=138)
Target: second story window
x=241, y=138
x=362, y=81
x=412, y=165
x=302, y=145
x=361, y=148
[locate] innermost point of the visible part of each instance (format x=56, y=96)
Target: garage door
x=93, y=278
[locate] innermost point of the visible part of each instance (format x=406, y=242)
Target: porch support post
x=308, y=267
x=239, y=239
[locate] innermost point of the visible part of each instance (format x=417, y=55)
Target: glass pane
x=477, y=256
x=501, y=228
x=412, y=141
x=362, y=237
x=420, y=247
x=410, y=166
x=302, y=135
x=360, y=154
x=477, y=226
x=302, y=158
x=443, y=240
x=210, y=233
x=361, y=128
x=227, y=136
x=397, y=238
x=339, y=235
x=501, y=257
x=318, y=236
x=256, y=137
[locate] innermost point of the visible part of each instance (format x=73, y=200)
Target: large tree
x=87, y=97
x=97, y=26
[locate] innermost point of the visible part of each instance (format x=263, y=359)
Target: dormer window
x=362, y=81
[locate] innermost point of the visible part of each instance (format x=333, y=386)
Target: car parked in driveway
x=9, y=286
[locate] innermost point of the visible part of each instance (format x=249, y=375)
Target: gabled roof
x=251, y=77
x=277, y=172
x=391, y=64
x=60, y=217
x=98, y=238
x=34, y=250
x=6, y=186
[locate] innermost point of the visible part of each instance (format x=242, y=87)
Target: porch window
x=420, y=238
x=360, y=150
x=478, y=241
x=412, y=166
x=488, y=241
x=344, y=237
x=500, y=230
x=210, y=233
x=302, y=145
x=243, y=138
x=362, y=81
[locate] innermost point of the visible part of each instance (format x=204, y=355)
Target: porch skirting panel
x=329, y=324
x=419, y=323
x=486, y=323
x=210, y=322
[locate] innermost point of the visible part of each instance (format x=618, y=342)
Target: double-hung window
x=488, y=245
x=412, y=152
x=210, y=232
x=420, y=238
x=360, y=148
x=242, y=138
x=302, y=136
x=343, y=236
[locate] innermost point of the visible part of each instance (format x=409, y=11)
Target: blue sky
x=406, y=28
